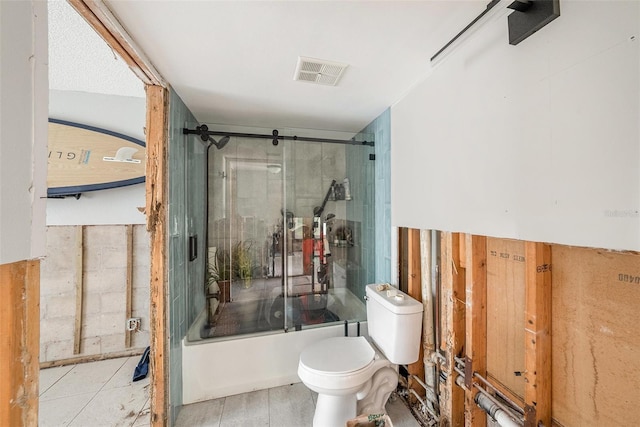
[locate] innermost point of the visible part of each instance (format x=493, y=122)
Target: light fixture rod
x=484, y=12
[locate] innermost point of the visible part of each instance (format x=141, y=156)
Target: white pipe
x=505, y=420
x=428, y=333
x=425, y=406
x=427, y=302
x=429, y=391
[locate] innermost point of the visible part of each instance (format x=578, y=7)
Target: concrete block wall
x=104, y=291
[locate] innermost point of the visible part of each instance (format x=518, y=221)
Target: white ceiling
x=79, y=60
x=233, y=62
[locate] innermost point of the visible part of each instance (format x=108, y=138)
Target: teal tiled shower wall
x=381, y=129
x=360, y=170
x=186, y=171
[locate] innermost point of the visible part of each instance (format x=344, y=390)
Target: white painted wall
x=538, y=141
x=23, y=131
x=122, y=114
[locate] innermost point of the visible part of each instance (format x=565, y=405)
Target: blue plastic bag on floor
x=142, y=369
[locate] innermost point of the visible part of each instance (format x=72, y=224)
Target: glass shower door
x=289, y=230
x=245, y=228
x=328, y=197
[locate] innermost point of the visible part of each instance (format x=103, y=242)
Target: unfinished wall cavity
x=92, y=279
x=557, y=330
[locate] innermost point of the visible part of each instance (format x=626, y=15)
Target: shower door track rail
x=204, y=133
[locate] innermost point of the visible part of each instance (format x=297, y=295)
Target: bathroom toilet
x=356, y=375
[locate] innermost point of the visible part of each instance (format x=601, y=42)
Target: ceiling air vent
x=319, y=71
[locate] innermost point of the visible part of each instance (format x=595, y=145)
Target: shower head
x=205, y=136
x=220, y=144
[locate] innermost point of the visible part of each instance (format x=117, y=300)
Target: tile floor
x=102, y=394
x=286, y=406
x=94, y=394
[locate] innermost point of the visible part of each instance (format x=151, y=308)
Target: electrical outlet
x=133, y=324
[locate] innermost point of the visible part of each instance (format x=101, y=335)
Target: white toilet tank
x=394, y=322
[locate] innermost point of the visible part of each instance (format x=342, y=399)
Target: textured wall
x=23, y=129
x=104, y=276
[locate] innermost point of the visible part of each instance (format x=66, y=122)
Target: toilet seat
x=339, y=365
x=338, y=356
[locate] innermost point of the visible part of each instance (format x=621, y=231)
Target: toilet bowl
x=341, y=370
x=356, y=375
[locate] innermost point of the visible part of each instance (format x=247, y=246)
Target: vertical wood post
x=537, y=391
x=453, y=327
x=476, y=324
x=403, y=259
x=156, y=210
x=19, y=343
x=414, y=286
x=129, y=282
x=79, y=279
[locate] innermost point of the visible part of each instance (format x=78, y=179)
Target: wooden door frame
x=100, y=18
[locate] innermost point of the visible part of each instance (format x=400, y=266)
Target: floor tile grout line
x=269, y=407
x=140, y=412
x=97, y=392
x=40, y=393
x=224, y=403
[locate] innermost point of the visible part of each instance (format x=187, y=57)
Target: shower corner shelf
x=341, y=244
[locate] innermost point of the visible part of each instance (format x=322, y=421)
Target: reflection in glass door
x=289, y=232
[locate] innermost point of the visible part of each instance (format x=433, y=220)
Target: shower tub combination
x=219, y=367
x=292, y=219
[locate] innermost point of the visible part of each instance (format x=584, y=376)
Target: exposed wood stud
x=129, y=282
x=20, y=343
x=453, y=327
x=462, y=255
x=79, y=282
x=537, y=393
x=414, y=287
x=156, y=208
x=403, y=259
x=476, y=323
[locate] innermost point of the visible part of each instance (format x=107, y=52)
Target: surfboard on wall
x=86, y=158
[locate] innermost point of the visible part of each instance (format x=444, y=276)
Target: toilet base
x=332, y=411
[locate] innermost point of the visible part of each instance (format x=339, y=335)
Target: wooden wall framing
x=100, y=18
x=468, y=264
x=156, y=210
x=452, y=325
x=20, y=343
x=564, y=317
x=475, y=324
x=414, y=289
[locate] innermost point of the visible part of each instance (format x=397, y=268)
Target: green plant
x=242, y=261
x=220, y=269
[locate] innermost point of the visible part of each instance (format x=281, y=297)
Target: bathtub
x=219, y=367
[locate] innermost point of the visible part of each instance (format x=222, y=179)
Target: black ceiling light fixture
x=530, y=16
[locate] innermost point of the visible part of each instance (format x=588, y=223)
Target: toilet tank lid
x=393, y=299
